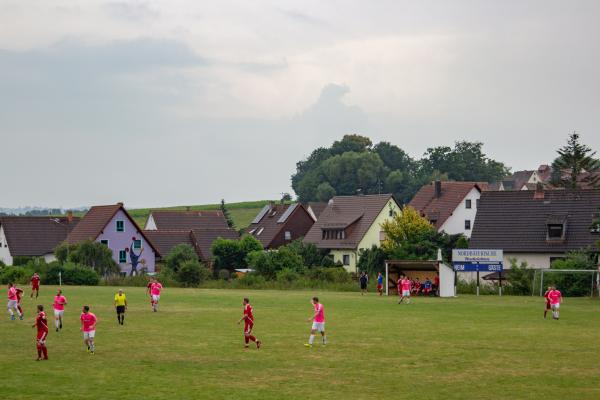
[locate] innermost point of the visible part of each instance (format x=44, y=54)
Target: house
x=33, y=236
x=186, y=220
x=113, y=226
x=350, y=224
x=524, y=180
x=200, y=240
x=279, y=224
x=536, y=226
x=315, y=208
x=450, y=206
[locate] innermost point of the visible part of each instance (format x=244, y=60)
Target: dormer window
x=556, y=228
x=468, y=204
x=333, y=234
x=555, y=231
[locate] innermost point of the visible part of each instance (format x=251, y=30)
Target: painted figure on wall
x=135, y=258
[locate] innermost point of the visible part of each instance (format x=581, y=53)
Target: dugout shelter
x=421, y=270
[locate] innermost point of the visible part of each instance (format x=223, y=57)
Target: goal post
x=594, y=279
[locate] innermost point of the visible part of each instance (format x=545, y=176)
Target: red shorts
x=379, y=287
x=248, y=328
x=41, y=336
x=35, y=287
x=548, y=305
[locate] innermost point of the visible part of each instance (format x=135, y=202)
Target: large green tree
x=575, y=166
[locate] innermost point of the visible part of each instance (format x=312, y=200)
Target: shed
x=419, y=269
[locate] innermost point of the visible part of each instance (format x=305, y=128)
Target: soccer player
x=380, y=283
x=364, y=280
x=548, y=305
x=155, y=289
x=427, y=287
x=416, y=288
x=436, y=284
x=405, y=286
x=121, y=306
x=88, y=326
x=555, y=299
x=35, y=285
x=148, y=288
x=318, y=322
x=248, y=319
x=41, y=323
x=12, y=302
x=19, y=297
x=59, y=309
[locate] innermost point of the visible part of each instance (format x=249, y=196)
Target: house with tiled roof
x=186, y=220
x=279, y=224
x=450, y=206
x=112, y=226
x=537, y=226
x=24, y=236
x=352, y=223
x=315, y=208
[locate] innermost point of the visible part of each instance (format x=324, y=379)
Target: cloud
x=131, y=10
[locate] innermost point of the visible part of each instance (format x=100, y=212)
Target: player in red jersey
x=555, y=298
x=35, y=285
x=19, y=297
x=41, y=323
x=248, y=319
x=548, y=306
x=416, y=288
x=88, y=326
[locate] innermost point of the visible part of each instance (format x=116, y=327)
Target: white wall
x=446, y=281
x=455, y=224
x=5, y=256
x=150, y=224
x=534, y=260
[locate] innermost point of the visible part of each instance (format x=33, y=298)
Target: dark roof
x=203, y=239
x=165, y=240
x=516, y=221
x=439, y=209
x=355, y=214
x=96, y=219
x=35, y=236
x=271, y=223
x=188, y=220
x=317, y=208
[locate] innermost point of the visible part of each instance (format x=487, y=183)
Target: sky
x=158, y=103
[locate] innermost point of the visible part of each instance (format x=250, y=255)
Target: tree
x=405, y=226
x=572, y=284
x=192, y=273
x=576, y=166
x=311, y=255
x=353, y=143
x=269, y=263
x=350, y=172
x=372, y=260
x=286, y=198
x=231, y=254
x=179, y=255
x=325, y=192
x=62, y=251
x=95, y=255
x=226, y=214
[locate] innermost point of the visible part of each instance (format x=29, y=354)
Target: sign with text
x=473, y=260
x=473, y=267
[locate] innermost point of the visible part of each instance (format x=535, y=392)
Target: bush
x=269, y=263
x=572, y=284
x=120, y=280
x=464, y=287
x=251, y=280
x=224, y=274
x=13, y=274
x=330, y=275
x=519, y=279
x=372, y=260
x=192, y=273
x=180, y=255
x=287, y=275
x=71, y=274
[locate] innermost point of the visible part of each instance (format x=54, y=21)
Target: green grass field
x=463, y=348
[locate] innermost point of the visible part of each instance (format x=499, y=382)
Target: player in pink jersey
x=13, y=302
x=88, y=326
x=155, y=290
x=555, y=298
x=59, y=309
x=405, y=285
x=318, y=322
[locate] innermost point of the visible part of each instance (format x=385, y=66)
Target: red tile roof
x=439, y=209
x=354, y=214
x=203, y=239
x=188, y=219
x=35, y=236
x=270, y=227
x=165, y=240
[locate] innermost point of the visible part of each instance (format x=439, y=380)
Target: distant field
x=460, y=348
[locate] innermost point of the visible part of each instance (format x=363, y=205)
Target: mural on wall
x=135, y=258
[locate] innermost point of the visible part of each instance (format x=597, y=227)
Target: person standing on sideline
x=121, y=306
x=364, y=280
x=13, y=302
x=548, y=305
x=35, y=285
x=41, y=323
x=88, y=326
x=405, y=285
x=318, y=322
x=59, y=309
x=555, y=299
x=248, y=319
x=380, y=283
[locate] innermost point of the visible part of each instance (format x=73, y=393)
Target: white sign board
x=477, y=256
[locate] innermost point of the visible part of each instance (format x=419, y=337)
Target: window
x=137, y=244
x=120, y=226
x=346, y=259
x=104, y=242
x=333, y=234
x=555, y=231
x=288, y=235
x=122, y=256
x=260, y=230
x=467, y=224
x=382, y=236
x=468, y=204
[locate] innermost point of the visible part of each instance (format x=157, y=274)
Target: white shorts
x=155, y=298
x=59, y=313
x=318, y=326
x=406, y=293
x=555, y=306
x=89, y=335
x=12, y=304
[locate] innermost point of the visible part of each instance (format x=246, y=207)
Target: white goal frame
x=594, y=272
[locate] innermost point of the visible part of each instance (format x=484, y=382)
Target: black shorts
x=120, y=309
x=363, y=285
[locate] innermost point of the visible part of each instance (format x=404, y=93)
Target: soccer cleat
x=88, y=349
x=258, y=344
x=308, y=345
x=12, y=317
x=56, y=329
x=21, y=317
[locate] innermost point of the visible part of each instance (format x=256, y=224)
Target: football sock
x=39, y=351
x=10, y=311
x=20, y=309
x=252, y=338
x=311, y=339
x=246, y=339
x=45, y=351
x=56, y=323
x=324, y=339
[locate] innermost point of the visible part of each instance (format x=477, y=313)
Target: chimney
x=120, y=203
x=438, y=189
x=69, y=216
x=539, y=191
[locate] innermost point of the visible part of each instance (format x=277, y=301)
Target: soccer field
x=468, y=347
